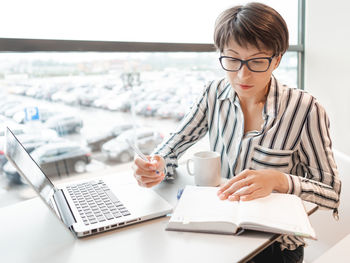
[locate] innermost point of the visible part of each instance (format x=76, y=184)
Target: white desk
x=30, y=233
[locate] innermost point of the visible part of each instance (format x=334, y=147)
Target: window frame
x=55, y=45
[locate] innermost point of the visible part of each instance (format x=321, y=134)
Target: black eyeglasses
x=253, y=64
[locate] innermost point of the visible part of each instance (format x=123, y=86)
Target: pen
x=138, y=152
x=179, y=193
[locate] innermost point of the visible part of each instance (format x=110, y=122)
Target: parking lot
x=95, y=121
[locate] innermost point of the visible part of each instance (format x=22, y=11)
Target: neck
x=257, y=100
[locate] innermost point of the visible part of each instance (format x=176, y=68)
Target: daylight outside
x=73, y=110
x=70, y=110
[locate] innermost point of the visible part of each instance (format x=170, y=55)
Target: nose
x=243, y=72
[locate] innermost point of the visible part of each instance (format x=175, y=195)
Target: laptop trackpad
x=141, y=202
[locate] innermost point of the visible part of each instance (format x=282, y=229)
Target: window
x=134, y=20
x=78, y=68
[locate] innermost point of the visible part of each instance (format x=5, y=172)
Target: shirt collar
x=272, y=100
x=225, y=91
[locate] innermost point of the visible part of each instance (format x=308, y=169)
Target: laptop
x=87, y=207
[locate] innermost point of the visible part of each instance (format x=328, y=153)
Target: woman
x=270, y=137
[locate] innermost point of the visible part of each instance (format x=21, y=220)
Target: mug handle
x=188, y=166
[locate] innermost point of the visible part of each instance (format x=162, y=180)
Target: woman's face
x=246, y=83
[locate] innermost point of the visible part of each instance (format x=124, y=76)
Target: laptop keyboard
x=96, y=202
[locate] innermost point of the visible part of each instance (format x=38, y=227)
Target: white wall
x=327, y=77
x=327, y=67
x=329, y=231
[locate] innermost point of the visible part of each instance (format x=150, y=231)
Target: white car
x=96, y=141
x=64, y=124
x=60, y=158
x=119, y=150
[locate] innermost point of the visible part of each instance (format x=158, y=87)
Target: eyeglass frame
x=245, y=62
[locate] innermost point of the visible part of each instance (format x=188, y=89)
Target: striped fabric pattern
x=294, y=139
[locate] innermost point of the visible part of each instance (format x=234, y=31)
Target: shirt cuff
x=169, y=171
x=295, y=184
x=289, y=183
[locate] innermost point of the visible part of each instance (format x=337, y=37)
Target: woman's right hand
x=151, y=173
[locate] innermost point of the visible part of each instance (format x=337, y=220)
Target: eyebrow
x=258, y=53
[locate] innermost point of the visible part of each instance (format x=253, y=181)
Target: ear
x=278, y=60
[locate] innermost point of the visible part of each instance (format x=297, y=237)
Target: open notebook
x=200, y=210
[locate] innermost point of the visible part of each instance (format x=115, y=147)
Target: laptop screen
x=27, y=167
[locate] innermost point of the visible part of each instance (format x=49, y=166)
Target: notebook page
x=201, y=204
x=276, y=211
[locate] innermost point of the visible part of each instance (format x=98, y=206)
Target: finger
x=246, y=190
x=154, y=158
x=254, y=195
x=147, y=180
x=229, y=193
x=158, y=162
x=150, y=166
x=147, y=173
x=151, y=184
x=233, y=198
x=237, y=186
x=227, y=185
x=238, y=177
x=139, y=182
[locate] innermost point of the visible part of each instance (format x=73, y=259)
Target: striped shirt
x=294, y=139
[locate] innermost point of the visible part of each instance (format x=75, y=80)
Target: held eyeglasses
x=254, y=64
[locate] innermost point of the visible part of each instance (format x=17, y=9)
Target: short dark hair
x=254, y=23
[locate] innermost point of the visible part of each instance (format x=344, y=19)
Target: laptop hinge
x=64, y=209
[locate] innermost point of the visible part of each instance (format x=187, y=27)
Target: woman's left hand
x=252, y=184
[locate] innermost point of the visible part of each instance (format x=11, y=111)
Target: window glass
x=287, y=71
x=106, y=94
x=132, y=20
x=93, y=98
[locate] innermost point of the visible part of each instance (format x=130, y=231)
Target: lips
x=245, y=87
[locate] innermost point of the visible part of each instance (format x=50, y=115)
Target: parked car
x=89, y=95
x=119, y=150
x=32, y=91
x=61, y=93
x=180, y=111
x=58, y=158
x=47, y=91
x=30, y=141
x=95, y=142
x=121, y=102
x=167, y=110
x=15, y=127
x=5, y=105
x=64, y=124
x=20, y=107
x=18, y=89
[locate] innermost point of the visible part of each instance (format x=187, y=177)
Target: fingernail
x=222, y=196
x=157, y=172
x=232, y=197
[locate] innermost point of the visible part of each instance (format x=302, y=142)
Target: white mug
x=207, y=168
